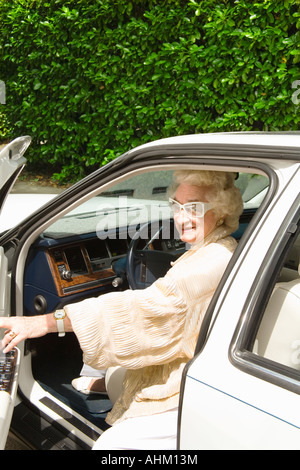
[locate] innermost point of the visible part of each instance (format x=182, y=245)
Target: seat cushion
x=278, y=337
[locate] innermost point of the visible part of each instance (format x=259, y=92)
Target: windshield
x=139, y=199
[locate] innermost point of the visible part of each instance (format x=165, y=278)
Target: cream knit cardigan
x=152, y=332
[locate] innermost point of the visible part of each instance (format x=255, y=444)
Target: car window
x=138, y=199
x=278, y=336
x=135, y=200
x=253, y=188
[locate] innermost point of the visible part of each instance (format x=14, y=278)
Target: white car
x=114, y=230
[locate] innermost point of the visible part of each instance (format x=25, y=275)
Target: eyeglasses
x=192, y=209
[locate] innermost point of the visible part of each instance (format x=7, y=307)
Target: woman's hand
x=20, y=328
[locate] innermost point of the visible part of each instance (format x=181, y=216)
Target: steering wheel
x=145, y=265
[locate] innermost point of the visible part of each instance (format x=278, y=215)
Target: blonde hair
x=221, y=192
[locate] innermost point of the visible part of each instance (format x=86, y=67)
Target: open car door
x=9, y=363
x=12, y=162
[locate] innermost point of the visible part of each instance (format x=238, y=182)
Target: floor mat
x=91, y=407
x=55, y=364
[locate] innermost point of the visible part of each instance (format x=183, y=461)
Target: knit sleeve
x=132, y=329
x=138, y=328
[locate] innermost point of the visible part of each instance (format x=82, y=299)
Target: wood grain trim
x=78, y=283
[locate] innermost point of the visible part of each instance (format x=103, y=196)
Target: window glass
x=138, y=199
x=278, y=336
x=253, y=188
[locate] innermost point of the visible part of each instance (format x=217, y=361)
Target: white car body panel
x=224, y=422
x=224, y=407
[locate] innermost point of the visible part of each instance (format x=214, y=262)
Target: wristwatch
x=59, y=316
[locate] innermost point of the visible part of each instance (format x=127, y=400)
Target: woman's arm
x=20, y=328
x=156, y=325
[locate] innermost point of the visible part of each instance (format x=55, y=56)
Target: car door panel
x=9, y=369
x=12, y=162
x=9, y=363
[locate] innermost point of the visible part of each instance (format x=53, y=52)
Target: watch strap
x=59, y=316
x=60, y=328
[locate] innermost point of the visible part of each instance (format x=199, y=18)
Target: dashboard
x=85, y=265
x=65, y=270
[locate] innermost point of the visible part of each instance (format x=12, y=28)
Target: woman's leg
x=88, y=371
x=155, y=432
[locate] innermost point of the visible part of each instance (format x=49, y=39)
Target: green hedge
x=90, y=79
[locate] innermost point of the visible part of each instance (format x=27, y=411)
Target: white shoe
x=81, y=385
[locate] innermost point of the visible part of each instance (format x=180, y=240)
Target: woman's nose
x=181, y=216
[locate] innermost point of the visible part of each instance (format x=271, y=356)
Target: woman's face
x=193, y=229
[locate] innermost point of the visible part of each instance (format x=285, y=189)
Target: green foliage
x=4, y=127
x=90, y=79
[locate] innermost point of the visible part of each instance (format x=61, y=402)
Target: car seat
x=278, y=336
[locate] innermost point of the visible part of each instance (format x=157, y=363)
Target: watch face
x=59, y=314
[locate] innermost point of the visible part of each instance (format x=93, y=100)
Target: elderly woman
x=153, y=332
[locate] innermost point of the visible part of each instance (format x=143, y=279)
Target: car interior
x=278, y=334
x=123, y=237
